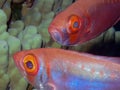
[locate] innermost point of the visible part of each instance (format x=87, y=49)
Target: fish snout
x=61, y=36
x=55, y=34
x=58, y=38
x=16, y=58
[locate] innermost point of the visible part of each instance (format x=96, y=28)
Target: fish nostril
x=56, y=36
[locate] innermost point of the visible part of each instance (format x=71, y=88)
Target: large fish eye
x=30, y=64
x=74, y=24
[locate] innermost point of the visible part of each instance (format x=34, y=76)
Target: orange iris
x=74, y=24
x=30, y=64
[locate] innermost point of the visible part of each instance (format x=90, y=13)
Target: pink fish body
x=84, y=20
x=57, y=69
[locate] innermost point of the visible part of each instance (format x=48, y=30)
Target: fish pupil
x=75, y=25
x=29, y=64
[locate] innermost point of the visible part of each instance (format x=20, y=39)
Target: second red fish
x=84, y=20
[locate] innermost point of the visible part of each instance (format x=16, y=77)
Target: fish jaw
x=62, y=37
x=58, y=36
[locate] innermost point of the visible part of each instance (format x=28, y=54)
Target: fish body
x=84, y=20
x=58, y=69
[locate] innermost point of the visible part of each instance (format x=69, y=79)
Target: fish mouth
x=67, y=43
x=54, y=33
x=58, y=38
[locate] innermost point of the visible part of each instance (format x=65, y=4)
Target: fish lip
x=56, y=35
x=67, y=43
x=59, y=36
x=61, y=41
x=64, y=42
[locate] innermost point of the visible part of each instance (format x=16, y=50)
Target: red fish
x=84, y=20
x=57, y=69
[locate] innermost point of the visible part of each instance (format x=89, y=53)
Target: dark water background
x=108, y=48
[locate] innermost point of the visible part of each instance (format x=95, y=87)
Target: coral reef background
x=24, y=25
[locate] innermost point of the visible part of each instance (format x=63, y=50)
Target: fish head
x=31, y=66
x=69, y=29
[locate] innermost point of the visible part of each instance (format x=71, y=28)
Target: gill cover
x=30, y=64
